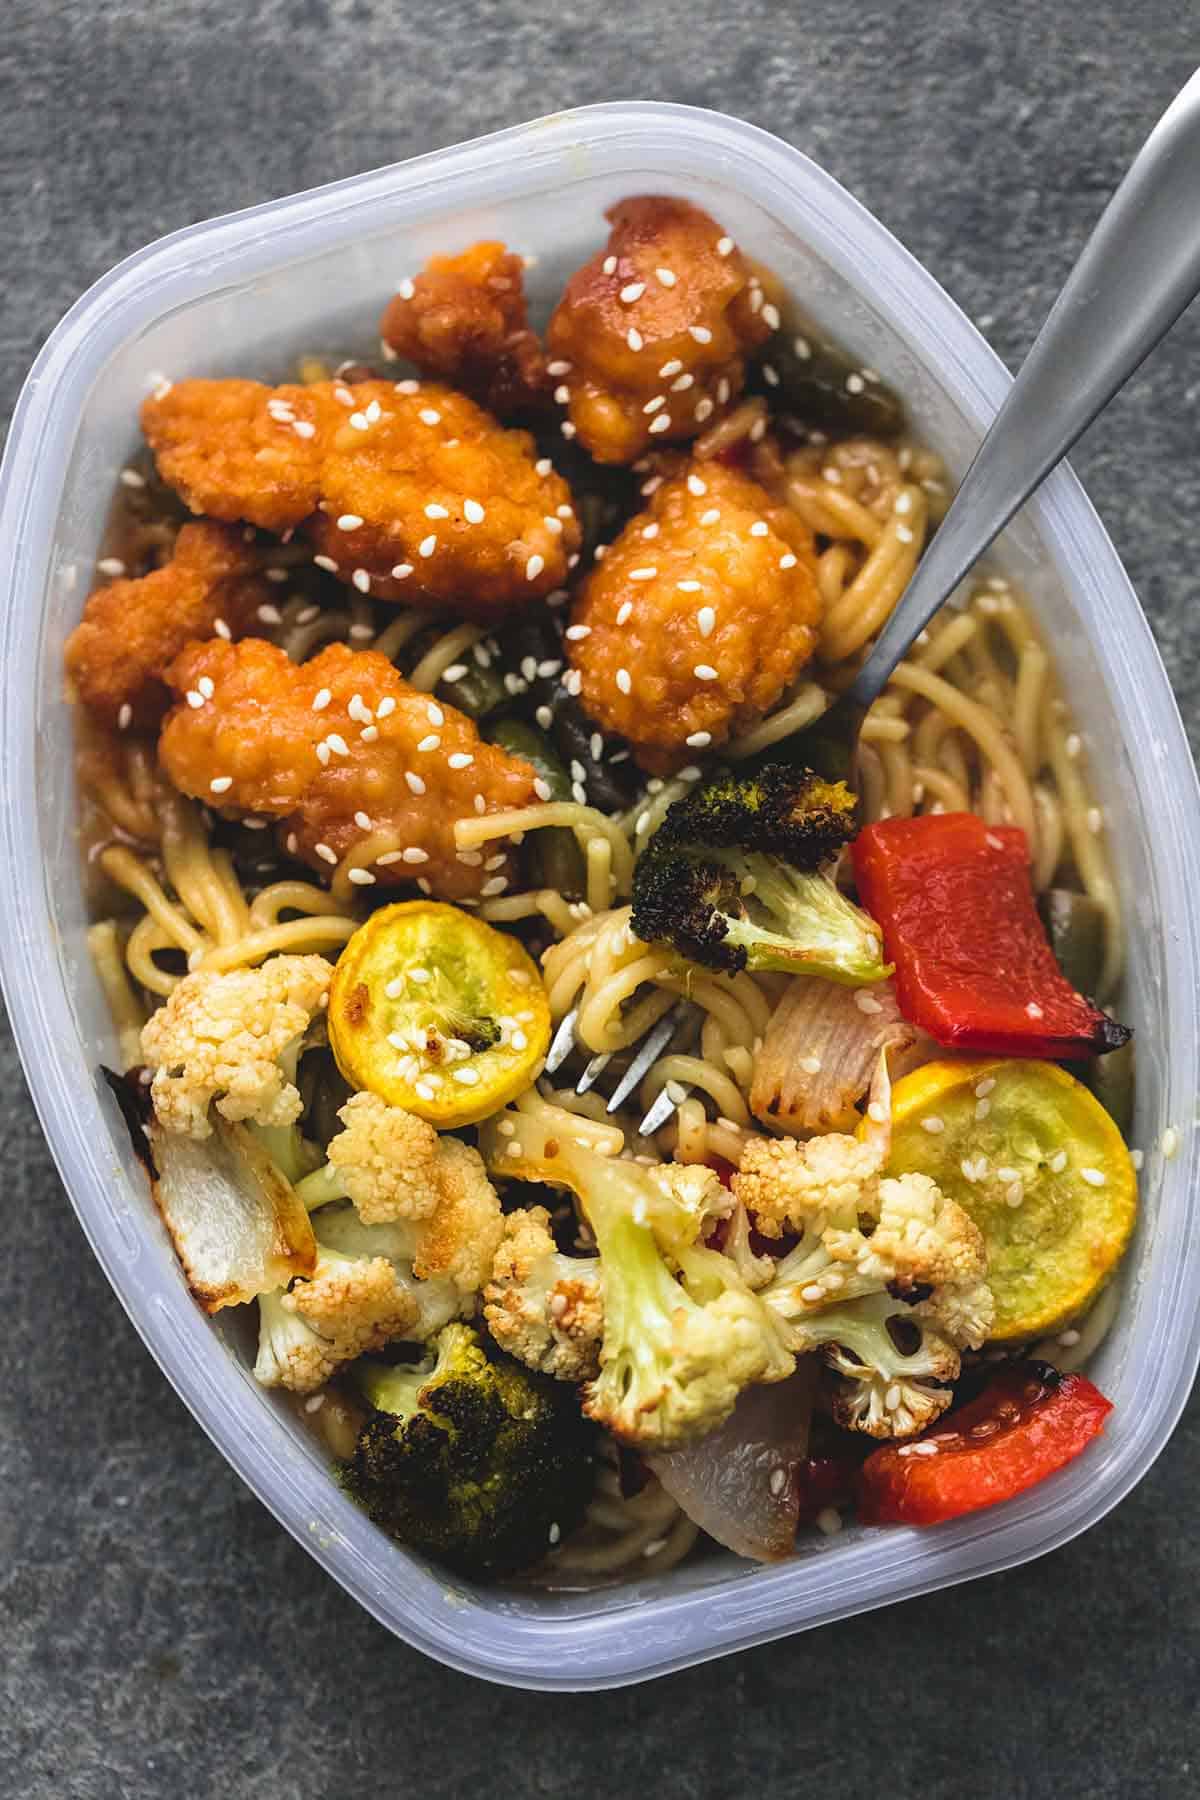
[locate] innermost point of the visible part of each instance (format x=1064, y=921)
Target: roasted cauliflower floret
x=463, y=320
x=544, y=1308
x=409, y=491
x=650, y=336
x=389, y=1162
x=806, y=1187
x=700, y=615
x=222, y=1037
x=132, y=630
x=888, y=1276
x=683, y=1333
x=344, y=753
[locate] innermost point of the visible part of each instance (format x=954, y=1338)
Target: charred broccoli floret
x=470, y=1458
x=738, y=876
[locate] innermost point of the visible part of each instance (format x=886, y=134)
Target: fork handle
x=1138, y=270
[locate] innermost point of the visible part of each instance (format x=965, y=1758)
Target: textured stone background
x=159, y=1634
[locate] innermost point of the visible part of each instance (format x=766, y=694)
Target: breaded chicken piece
x=408, y=491
x=463, y=320
x=650, y=336
x=702, y=612
x=131, y=630
x=340, y=750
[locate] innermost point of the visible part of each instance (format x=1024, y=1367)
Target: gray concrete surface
x=159, y=1634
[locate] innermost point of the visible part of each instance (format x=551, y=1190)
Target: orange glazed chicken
x=463, y=320
x=131, y=630
x=408, y=491
x=346, y=755
x=701, y=613
x=650, y=336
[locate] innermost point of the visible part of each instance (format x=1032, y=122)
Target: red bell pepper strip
x=1030, y=1422
x=974, y=967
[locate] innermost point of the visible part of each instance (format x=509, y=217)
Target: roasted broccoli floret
x=683, y=1333
x=738, y=875
x=470, y=1458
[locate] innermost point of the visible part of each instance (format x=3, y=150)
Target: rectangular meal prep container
x=245, y=295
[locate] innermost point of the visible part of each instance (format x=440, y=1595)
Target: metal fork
x=672, y=1027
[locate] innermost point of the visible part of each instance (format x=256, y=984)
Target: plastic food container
x=245, y=295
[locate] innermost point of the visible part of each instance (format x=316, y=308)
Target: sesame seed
x=111, y=565
x=360, y=877
x=982, y=1109
x=666, y=276
x=429, y=415
x=662, y=422
x=389, y=857
x=699, y=740
x=269, y=615
x=1135, y=1160
x=414, y=855
x=359, y=421
x=415, y=784
x=321, y=699
x=430, y=742
x=770, y=375
x=1014, y=1195
x=349, y=522
x=1034, y=1011
x=682, y=384
x=771, y=316
x=1073, y=745
x=363, y=821
x=609, y=265
x=325, y=853
x=495, y=885
x=760, y=528
x=408, y=386
x=646, y=573
x=362, y=580
x=787, y=560
x=338, y=744
x=562, y=394
x=984, y=1087
x=1006, y=1174
x=573, y=683
x=706, y=619
x=455, y=672
x=386, y=706
x=323, y=754
x=705, y=672
x=542, y=788
x=575, y=634
x=703, y=409
x=623, y=611
x=1169, y=1143
x=194, y=699
x=402, y=571
x=558, y=368
x=866, y=1003
x=461, y=759
x=543, y=466
x=933, y=1124
x=423, y=1088
x=327, y=563
x=653, y=406
x=1093, y=1177
x=724, y=246
x=632, y=291
x=802, y=348
x=427, y=545
x=534, y=567
x=434, y=713
x=634, y=338
x=1058, y=1162
x=473, y=512
x=700, y=333
x=624, y=681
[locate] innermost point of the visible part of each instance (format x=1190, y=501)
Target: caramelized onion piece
x=740, y=1483
x=821, y=1050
